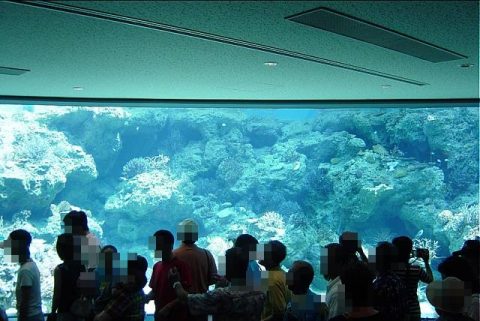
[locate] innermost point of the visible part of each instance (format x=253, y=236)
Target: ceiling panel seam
x=211, y=37
x=241, y=103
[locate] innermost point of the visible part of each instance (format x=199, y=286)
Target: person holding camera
x=410, y=273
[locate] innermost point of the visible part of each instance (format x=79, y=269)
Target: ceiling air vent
x=12, y=71
x=345, y=25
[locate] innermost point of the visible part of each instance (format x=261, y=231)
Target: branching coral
x=140, y=165
x=268, y=226
x=425, y=243
x=460, y=225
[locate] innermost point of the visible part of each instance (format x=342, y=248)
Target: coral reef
x=461, y=225
x=36, y=164
x=142, y=194
x=380, y=172
x=141, y=165
x=429, y=244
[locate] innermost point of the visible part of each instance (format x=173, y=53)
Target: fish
x=297, y=165
x=420, y=233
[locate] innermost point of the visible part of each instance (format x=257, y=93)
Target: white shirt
x=29, y=276
x=335, y=297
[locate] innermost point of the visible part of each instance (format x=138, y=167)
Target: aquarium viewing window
x=301, y=176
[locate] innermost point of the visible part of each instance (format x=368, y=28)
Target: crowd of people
x=251, y=284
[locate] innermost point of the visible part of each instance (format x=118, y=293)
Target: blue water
x=301, y=176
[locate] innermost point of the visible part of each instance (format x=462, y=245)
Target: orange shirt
x=201, y=263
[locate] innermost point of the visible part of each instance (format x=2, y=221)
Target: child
x=167, y=307
x=304, y=304
x=277, y=292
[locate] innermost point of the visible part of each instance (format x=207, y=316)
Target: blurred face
x=291, y=278
x=109, y=260
x=74, y=229
x=324, y=262
x=265, y=252
x=163, y=249
x=14, y=250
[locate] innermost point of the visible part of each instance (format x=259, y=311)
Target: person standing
x=277, y=292
x=200, y=261
x=76, y=223
x=411, y=274
x=238, y=301
x=65, y=290
x=304, y=305
x=27, y=291
x=389, y=290
x=167, y=307
x=332, y=262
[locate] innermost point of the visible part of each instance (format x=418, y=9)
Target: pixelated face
x=291, y=278
x=86, y=250
x=222, y=265
x=13, y=250
x=109, y=260
x=73, y=229
x=324, y=262
x=160, y=247
x=264, y=252
x=187, y=232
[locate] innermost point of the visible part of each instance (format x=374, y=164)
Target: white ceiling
x=116, y=60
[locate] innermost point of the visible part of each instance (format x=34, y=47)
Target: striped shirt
x=411, y=275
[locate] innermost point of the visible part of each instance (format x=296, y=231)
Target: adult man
x=200, y=261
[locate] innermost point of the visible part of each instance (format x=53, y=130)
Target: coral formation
x=141, y=165
x=380, y=172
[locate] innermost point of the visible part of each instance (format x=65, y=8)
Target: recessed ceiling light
x=467, y=65
x=78, y=88
x=270, y=63
x=386, y=86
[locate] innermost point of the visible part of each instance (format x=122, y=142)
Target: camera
x=419, y=252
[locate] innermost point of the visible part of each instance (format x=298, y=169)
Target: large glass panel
x=300, y=176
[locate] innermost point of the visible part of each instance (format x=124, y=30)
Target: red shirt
x=163, y=290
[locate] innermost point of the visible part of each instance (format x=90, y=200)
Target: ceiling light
x=78, y=88
x=270, y=63
x=386, y=86
x=467, y=65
